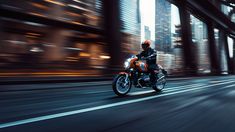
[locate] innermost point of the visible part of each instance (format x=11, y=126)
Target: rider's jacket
x=151, y=54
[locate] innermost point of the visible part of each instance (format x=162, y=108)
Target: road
x=201, y=104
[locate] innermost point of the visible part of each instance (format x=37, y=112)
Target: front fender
x=124, y=73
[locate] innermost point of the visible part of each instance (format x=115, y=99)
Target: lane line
x=166, y=89
x=96, y=92
x=184, y=86
x=47, y=117
x=176, y=89
x=229, y=86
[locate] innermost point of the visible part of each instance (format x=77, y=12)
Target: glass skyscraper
x=130, y=25
x=163, y=26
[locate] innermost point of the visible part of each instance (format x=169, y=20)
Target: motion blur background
x=94, y=37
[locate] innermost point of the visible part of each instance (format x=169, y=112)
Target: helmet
x=146, y=44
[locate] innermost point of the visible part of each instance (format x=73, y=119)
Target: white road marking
x=229, y=86
x=217, y=81
x=141, y=92
x=166, y=89
x=185, y=86
x=96, y=92
x=48, y=117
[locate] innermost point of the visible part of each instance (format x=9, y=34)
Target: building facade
x=83, y=38
x=130, y=25
x=163, y=25
x=147, y=33
x=60, y=35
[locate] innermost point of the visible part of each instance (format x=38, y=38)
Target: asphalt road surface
x=205, y=104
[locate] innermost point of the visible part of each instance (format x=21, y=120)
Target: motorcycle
x=137, y=71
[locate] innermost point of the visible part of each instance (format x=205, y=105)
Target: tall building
x=163, y=25
x=200, y=44
x=177, y=39
x=130, y=25
x=199, y=30
x=147, y=33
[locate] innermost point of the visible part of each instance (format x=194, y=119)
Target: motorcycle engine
x=144, y=80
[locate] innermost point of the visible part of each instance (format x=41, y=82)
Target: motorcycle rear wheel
x=160, y=84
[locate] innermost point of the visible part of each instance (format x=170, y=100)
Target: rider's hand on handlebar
x=143, y=58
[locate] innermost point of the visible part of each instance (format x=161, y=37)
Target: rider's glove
x=143, y=58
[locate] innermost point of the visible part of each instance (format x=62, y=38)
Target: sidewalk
x=50, y=76
x=39, y=80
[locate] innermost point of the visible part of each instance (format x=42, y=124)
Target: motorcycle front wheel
x=121, y=85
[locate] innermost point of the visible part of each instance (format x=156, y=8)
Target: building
x=130, y=25
x=147, y=33
x=200, y=44
x=53, y=35
x=199, y=29
x=177, y=39
x=163, y=26
x=89, y=37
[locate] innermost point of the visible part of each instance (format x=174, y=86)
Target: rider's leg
x=152, y=76
x=153, y=69
x=135, y=78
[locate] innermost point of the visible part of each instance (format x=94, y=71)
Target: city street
x=58, y=59
x=195, y=104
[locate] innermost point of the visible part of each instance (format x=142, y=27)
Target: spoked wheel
x=160, y=84
x=121, y=85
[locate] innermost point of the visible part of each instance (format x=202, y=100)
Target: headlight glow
x=126, y=64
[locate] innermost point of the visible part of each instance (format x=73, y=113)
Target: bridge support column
x=189, y=55
x=213, y=50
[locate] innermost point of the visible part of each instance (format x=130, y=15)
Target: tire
x=160, y=84
x=121, y=90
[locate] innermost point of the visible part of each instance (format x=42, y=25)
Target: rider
x=149, y=55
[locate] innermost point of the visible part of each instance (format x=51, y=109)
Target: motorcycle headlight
x=126, y=64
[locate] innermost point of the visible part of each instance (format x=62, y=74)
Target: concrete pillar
x=233, y=59
x=189, y=55
x=224, y=61
x=216, y=3
x=214, y=55
x=1, y=36
x=229, y=60
x=111, y=11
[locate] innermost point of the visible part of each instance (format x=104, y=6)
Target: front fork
x=126, y=77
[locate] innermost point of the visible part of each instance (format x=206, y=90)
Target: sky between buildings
x=147, y=10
